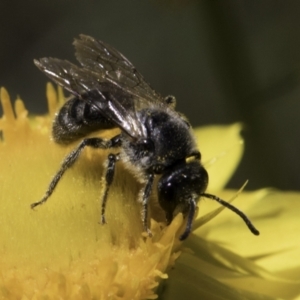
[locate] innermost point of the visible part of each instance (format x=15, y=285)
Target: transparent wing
x=110, y=64
x=112, y=102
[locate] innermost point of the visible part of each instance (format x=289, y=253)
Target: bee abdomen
x=76, y=119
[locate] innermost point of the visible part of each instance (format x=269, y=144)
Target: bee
x=155, y=140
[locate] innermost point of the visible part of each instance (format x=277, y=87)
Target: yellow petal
x=269, y=263
x=221, y=148
x=209, y=271
x=199, y=275
x=276, y=215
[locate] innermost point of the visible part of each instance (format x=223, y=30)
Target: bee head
x=179, y=189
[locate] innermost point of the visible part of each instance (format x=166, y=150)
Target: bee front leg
x=144, y=199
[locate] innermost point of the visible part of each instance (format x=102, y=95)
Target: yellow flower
x=59, y=251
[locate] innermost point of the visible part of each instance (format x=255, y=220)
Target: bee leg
x=145, y=197
x=109, y=176
x=72, y=157
x=190, y=218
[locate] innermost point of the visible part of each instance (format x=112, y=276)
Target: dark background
x=225, y=61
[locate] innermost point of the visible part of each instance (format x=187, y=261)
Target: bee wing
x=110, y=64
x=110, y=100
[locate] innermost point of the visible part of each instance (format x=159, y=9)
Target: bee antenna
x=190, y=219
x=234, y=209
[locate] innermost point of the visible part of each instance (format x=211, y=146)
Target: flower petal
x=221, y=148
x=196, y=277
x=273, y=260
x=276, y=214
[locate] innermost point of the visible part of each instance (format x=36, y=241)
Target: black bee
x=109, y=92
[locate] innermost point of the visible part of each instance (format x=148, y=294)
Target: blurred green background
x=225, y=61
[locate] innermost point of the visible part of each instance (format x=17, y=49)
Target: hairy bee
x=155, y=139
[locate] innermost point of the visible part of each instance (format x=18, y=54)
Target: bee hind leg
x=70, y=159
x=109, y=176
